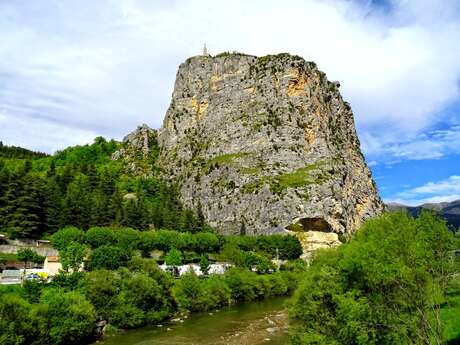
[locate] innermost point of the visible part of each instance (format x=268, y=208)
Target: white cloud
x=372, y=163
x=428, y=145
x=109, y=65
x=26, y=132
x=440, y=191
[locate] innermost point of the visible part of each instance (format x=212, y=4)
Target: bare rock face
x=314, y=240
x=264, y=144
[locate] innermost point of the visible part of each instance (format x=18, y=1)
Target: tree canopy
x=386, y=286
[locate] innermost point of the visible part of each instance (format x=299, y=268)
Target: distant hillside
x=449, y=210
x=19, y=152
x=87, y=186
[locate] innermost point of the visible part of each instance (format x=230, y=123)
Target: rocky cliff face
x=139, y=151
x=263, y=144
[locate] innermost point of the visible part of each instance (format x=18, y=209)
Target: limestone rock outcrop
x=139, y=151
x=264, y=144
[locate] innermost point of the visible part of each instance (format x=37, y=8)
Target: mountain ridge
x=448, y=210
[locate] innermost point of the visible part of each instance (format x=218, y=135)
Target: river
x=255, y=323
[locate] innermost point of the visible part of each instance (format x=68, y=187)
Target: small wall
x=43, y=251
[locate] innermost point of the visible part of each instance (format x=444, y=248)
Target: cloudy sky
x=73, y=70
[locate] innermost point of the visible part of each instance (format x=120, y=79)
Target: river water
x=256, y=323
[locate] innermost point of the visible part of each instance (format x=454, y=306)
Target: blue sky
x=73, y=70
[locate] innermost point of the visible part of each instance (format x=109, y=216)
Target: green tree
x=206, y=242
x=189, y=292
x=77, y=206
x=204, y=264
x=70, y=318
x=26, y=255
x=15, y=326
x=173, y=258
x=102, y=288
x=62, y=238
x=127, y=238
x=52, y=199
x=29, y=212
x=99, y=236
x=72, y=256
x=32, y=290
x=385, y=286
x=108, y=257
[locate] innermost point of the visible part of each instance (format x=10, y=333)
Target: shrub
x=204, y=264
x=189, y=292
x=173, y=258
x=127, y=238
x=385, y=286
x=242, y=283
x=73, y=255
x=15, y=327
x=108, y=257
x=69, y=317
x=27, y=256
x=206, y=242
x=62, y=238
x=98, y=236
x=216, y=292
x=260, y=263
x=127, y=316
x=102, y=288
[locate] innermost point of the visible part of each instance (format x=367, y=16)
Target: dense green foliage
x=19, y=152
x=57, y=317
x=123, y=285
x=65, y=311
x=28, y=256
x=386, y=286
x=113, y=247
x=81, y=186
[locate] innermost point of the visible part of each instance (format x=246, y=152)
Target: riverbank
x=254, y=323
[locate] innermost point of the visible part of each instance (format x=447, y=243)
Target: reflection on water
x=252, y=323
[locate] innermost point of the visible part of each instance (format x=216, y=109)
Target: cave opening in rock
x=311, y=224
x=315, y=224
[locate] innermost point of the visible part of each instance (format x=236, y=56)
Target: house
x=52, y=265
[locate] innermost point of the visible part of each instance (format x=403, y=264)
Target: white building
x=217, y=268
x=52, y=265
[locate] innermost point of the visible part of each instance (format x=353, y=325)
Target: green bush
x=70, y=318
x=173, y=257
x=62, y=238
x=15, y=325
x=258, y=262
x=126, y=315
x=190, y=292
x=98, y=236
x=216, y=292
x=27, y=256
x=206, y=242
x=101, y=289
x=385, y=286
x=243, y=284
x=72, y=256
x=108, y=257
x=127, y=238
